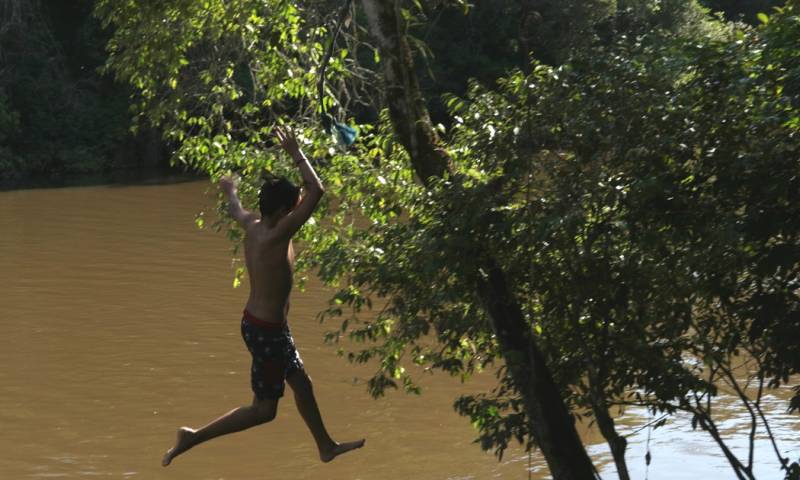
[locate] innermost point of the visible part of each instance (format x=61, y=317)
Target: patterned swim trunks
x=274, y=355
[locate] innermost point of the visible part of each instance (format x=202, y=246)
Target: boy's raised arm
x=312, y=187
x=243, y=217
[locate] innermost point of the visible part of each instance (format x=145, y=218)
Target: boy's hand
x=288, y=141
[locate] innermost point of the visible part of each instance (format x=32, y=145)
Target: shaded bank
x=59, y=117
x=156, y=175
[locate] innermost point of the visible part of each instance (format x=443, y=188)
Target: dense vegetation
x=597, y=199
x=60, y=117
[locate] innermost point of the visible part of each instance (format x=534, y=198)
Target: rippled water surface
x=118, y=324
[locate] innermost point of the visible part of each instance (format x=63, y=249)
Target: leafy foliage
x=495, y=37
x=649, y=228
x=641, y=198
x=217, y=73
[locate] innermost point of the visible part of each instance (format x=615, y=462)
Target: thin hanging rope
x=647, y=456
x=529, y=465
x=327, y=120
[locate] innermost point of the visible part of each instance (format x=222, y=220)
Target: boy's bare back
x=270, y=265
x=269, y=255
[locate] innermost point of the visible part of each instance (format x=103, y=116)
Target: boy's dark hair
x=277, y=193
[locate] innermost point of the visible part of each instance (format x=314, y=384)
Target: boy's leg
x=309, y=410
x=238, y=419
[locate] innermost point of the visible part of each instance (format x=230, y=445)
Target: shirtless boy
x=269, y=257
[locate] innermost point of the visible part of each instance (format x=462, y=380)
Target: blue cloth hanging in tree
x=345, y=134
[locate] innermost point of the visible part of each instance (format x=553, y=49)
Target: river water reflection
x=118, y=324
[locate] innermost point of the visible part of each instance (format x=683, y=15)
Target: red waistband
x=252, y=319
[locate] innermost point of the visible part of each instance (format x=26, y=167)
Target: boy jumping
x=269, y=257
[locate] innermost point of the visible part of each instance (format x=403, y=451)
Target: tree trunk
x=552, y=425
x=616, y=443
x=407, y=109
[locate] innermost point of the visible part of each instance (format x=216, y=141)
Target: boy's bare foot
x=183, y=443
x=338, y=449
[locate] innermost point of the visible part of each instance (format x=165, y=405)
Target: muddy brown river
x=119, y=323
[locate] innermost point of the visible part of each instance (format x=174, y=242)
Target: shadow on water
x=160, y=175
